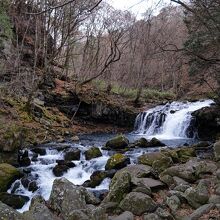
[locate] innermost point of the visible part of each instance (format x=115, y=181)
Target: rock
x=197, y=196
x=14, y=201
x=90, y=197
x=184, y=154
x=69, y=164
x=39, y=150
x=142, y=142
x=8, y=213
x=15, y=187
x=217, y=150
x=179, y=181
x=75, y=138
x=179, y=194
x=151, y=216
x=117, y=161
x=201, y=211
x=173, y=203
x=182, y=187
x=203, y=145
x=148, y=183
x=39, y=211
x=124, y=216
x=25, y=181
x=154, y=142
x=93, y=152
x=25, y=162
x=205, y=167
x=162, y=164
x=145, y=190
x=97, y=177
x=119, y=187
x=32, y=186
x=167, y=179
x=137, y=203
x=215, y=199
x=218, y=174
x=149, y=158
x=8, y=174
x=171, y=153
x=164, y=214
x=59, y=170
x=72, y=154
x=118, y=142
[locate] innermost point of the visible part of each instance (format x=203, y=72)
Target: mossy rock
x=142, y=142
x=118, y=142
x=8, y=174
x=154, y=142
x=93, y=152
x=117, y=161
x=171, y=153
x=162, y=164
x=149, y=158
x=184, y=154
x=97, y=177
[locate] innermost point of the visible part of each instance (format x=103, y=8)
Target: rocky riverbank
x=181, y=183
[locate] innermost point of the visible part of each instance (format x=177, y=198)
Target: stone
x=97, y=177
x=93, y=152
x=118, y=142
x=149, y=158
x=142, y=142
x=181, y=187
x=14, y=201
x=69, y=164
x=8, y=213
x=25, y=162
x=205, y=167
x=124, y=216
x=218, y=174
x=137, y=203
x=162, y=164
x=145, y=190
x=32, y=186
x=8, y=174
x=39, y=150
x=203, y=145
x=173, y=203
x=164, y=214
x=154, y=142
x=75, y=138
x=179, y=181
x=72, y=154
x=151, y=216
x=117, y=161
x=215, y=199
x=167, y=179
x=59, y=170
x=201, y=211
x=119, y=187
x=184, y=154
x=217, y=150
x=179, y=194
x=198, y=195
x=90, y=197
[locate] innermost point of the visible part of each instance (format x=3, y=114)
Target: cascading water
x=173, y=120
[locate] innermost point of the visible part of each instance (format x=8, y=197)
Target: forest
x=108, y=114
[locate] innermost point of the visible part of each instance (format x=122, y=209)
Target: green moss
x=117, y=160
x=93, y=152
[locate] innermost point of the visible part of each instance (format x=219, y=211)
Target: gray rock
x=138, y=203
x=217, y=190
x=167, y=179
x=215, y=199
x=151, y=216
x=124, y=216
x=179, y=194
x=201, y=211
x=7, y=213
x=145, y=190
x=72, y=154
x=118, y=142
x=218, y=174
x=90, y=197
x=181, y=187
x=148, y=182
x=164, y=214
x=179, y=181
x=217, y=150
x=173, y=203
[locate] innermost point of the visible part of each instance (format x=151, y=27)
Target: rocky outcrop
x=208, y=122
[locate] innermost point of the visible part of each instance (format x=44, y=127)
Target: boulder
x=197, y=196
x=119, y=187
x=8, y=213
x=39, y=150
x=173, y=203
x=143, y=189
x=97, y=177
x=124, y=216
x=149, y=158
x=215, y=199
x=25, y=162
x=138, y=203
x=59, y=170
x=93, y=152
x=162, y=164
x=154, y=142
x=118, y=142
x=198, y=213
x=14, y=201
x=8, y=174
x=164, y=214
x=142, y=142
x=184, y=154
x=32, y=186
x=151, y=216
x=217, y=150
x=72, y=154
x=117, y=161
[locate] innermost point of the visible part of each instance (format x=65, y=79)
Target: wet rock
x=117, y=161
x=151, y=216
x=142, y=142
x=32, y=186
x=118, y=142
x=72, y=154
x=173, y=203
x=201, y=211
x=59, y=170
x=198, y=195
x=14, y=201
x=154, y=142
x=164, y=214
x=39, y=150
x=8, y=174
x=119, y=187
x=137, y=203
x=69, y=164
x=124, y=216
x=217, y=150
x=97, y=177
x=8, y=213
x=25, y=162
x=162, y=164
x=93, y=152
x=15, y=187
x=149, y=158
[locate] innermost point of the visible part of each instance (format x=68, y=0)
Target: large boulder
x=118, y=142
x=97, y=177
x=117, y=161
x=154, y=142
x=162, y=164
x=142, y=142
x=8, y=213
x=138, y=203
x=8, y=174
x=184, y=154
x=93, y=152
x=14, y=201
x=72, y=154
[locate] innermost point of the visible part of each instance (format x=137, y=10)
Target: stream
x=171, y=123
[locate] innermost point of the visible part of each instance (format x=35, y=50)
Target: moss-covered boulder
x=8, y=174
x=154, y=142
x=72, y=154
x=117, y=161
x=118, y=142
x=149, y=158
x=93, y=152
x=184, y=154
x=162, y=164
x=142, y=142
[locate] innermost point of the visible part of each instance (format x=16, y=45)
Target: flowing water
x=171, y=123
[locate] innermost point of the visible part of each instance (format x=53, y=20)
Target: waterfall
x=172, y=120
